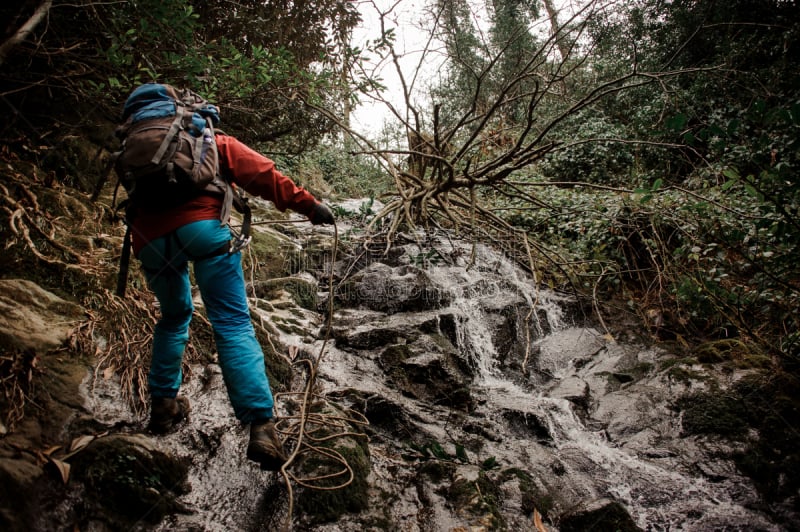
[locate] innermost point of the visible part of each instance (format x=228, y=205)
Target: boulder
x=386, y=289
x=130, y=481
x=33, y=318
x=598, y=514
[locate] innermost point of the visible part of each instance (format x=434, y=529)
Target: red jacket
x=243, y=166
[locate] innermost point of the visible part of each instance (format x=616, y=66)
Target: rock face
x=499, y=407
x=606, y=513
x=33, y=318
x=484, y=407
x=34, y=323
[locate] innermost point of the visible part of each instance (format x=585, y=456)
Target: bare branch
x=25, y=30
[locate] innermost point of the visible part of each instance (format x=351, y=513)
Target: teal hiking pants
x=220, y=279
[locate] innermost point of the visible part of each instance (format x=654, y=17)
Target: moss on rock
x=129, y=480
x=351, y=493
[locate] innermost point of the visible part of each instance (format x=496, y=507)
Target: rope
x=308, y=425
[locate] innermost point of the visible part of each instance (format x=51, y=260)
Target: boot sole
x=165, y=426
x=267, y=460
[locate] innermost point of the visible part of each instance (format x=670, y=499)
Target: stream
x=585, y=418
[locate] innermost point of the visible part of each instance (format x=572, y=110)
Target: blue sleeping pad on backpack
x=152, y=101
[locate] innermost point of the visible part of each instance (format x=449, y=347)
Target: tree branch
x=24, y=30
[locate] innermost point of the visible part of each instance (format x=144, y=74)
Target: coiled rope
x=312, y=432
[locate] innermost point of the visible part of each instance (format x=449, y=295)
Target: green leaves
x=733, y=178
x=434, y=450
x=646, y=194
x=676, y=123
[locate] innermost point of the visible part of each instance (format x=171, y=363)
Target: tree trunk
x=552, y=14
x=24, y=30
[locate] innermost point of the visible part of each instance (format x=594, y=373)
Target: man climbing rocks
x=193, y=230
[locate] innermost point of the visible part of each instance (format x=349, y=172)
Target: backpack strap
x=200, y=148
x=173, y=130
x=124, y=263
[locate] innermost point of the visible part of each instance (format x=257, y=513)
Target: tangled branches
x=24, y=217
x=42, y=219
x=17, y=370
x=119, y=337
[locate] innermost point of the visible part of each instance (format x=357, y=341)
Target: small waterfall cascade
x=549, y=396
x=649, y=475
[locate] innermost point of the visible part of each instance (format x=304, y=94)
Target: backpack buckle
x=238, y=243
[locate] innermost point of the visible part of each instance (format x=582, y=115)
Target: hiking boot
x=166, y=413
x=265, y=447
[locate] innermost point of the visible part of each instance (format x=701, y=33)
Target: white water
x=230, y=493
x=659, y=497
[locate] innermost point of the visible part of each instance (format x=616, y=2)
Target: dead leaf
x=80, y=442
x=537, y=521
x=50, y=450
x=63, y=469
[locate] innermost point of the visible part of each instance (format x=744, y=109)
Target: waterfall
x=660, y=494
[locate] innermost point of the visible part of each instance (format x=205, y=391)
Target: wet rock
x=717, y=470
x=383, y=288
x=385, y=415
x=563, y=350
x=18, y=491
x=599, y=514
x=371, y=337
x=573, y=389
x=129, y=480
x=432, y=377
x=33, y=318
x=528, y=425
x=302, y=290
x=428, y=370
x=630, y=411
x=366, y=330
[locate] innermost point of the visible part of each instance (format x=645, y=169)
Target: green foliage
x=435, y=450
x=426, y=259
x=590, y=153
x=340, y=174
x=260, y=61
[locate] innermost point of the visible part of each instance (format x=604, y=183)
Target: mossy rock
x=437, y=470
x=756, y=411
x=732, y=351
x=394, y=355
x=327, y=505
x=269, y=250
x=534, y=497
x=129, y=480
x=279, y=369
x=302, y=291
x=480, y=498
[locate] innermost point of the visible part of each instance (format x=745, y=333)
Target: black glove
x=321, y=214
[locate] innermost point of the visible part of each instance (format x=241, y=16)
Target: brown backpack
x=169, y=153
x=168, y=156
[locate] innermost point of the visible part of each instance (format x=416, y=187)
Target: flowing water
x=662, y=490
x=626, y=445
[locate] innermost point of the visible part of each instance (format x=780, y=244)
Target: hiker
x=165, y=241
